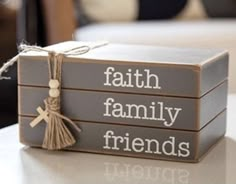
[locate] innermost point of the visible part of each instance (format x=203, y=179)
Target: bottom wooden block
x=143, y=142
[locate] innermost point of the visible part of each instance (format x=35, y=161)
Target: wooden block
x=154, y=143
x=140, y=101
x=130, y=109
x=131, y=69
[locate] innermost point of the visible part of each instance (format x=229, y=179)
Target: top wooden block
x=137, y=69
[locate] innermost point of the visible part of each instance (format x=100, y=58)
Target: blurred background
x=181, y=23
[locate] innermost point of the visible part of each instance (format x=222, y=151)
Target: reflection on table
x=68, y=167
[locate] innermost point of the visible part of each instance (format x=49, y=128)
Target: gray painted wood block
x=154, y=143
x=140, y=101
x=132, y=69
x=130, y=109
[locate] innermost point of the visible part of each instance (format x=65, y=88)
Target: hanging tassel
x=57, y=136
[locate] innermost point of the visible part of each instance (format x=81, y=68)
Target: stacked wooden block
x=139, y=101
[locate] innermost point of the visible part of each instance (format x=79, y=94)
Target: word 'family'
x=156, y=111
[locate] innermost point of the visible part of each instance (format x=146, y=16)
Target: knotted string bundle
x=57, y=135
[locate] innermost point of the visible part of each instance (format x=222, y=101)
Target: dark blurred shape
x=30, y=23
x=220, y=8
x=160, y=9
x=7, y=118
x=8, y=48
x=45, y=22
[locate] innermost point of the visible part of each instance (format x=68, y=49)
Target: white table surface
x=24, y=165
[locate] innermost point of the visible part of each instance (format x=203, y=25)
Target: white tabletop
x=24, y=165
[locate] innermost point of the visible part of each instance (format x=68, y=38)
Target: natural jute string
x=57, y=135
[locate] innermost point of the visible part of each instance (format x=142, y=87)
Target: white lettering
x=169, y=147
x=139, y=78
x=154, y=112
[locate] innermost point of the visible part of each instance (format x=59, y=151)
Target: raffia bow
x=57, y=135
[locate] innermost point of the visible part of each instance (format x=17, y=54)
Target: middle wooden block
x=131, y=109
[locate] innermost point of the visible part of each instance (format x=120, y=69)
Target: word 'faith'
x=131, y=79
